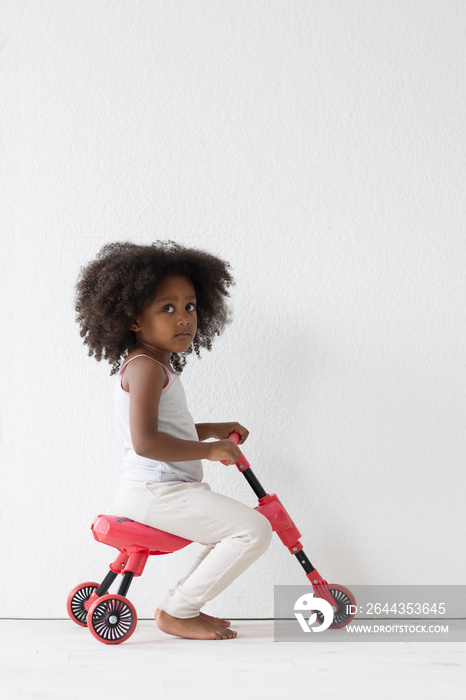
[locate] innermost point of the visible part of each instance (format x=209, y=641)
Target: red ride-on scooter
x=111, y=617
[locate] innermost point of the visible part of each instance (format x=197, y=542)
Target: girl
x=154, y=304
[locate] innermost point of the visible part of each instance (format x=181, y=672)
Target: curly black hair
x=121, y=282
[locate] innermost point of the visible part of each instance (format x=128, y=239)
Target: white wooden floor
x=58, y=659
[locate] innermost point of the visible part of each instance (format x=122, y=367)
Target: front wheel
x=112, y=619
x=344, y=612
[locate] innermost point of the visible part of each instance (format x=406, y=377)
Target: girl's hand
x=224, y=451
x=221, y=431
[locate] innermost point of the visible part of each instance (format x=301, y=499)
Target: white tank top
x=174, y=418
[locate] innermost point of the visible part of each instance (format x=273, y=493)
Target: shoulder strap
x=169, y=374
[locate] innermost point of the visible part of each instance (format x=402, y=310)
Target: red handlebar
x=242, y=463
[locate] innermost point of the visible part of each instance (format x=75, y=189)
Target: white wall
x=317, y=146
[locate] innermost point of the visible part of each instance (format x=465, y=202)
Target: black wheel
x=76, y=599
x=112, y=619
x=343, y=614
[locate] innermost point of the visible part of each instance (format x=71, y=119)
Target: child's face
x=172, y=312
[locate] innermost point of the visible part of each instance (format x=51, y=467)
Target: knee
x=262, y=533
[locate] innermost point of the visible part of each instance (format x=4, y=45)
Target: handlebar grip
x=234, y=437
x=242, y=463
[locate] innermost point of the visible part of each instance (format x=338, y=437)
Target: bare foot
x=192, y=628
x=216, y=620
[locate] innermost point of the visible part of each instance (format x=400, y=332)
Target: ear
x=134, y=327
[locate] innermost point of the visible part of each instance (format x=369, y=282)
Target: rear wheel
x=76, y=600
x=112, y=619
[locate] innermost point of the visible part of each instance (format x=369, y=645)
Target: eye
x=168, y=306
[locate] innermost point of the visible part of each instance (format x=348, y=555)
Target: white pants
x=235, y=535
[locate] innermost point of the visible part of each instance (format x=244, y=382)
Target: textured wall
x=319, y=147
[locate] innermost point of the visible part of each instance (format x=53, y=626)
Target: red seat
x=130, y=536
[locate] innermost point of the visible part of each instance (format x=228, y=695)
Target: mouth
x=183, y=335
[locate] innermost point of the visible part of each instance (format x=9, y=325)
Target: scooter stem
x=275, y=512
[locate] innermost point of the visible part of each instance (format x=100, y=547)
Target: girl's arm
x=167, y=448
x=146, y=379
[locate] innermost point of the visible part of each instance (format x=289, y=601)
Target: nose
x=184, y=317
